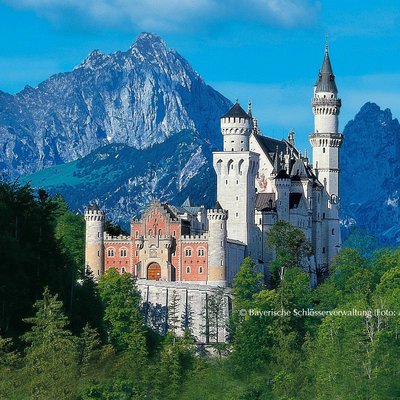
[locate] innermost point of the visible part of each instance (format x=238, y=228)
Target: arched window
x=240, y=167
x=333, y=231
x=122, y=269
x=188, y=270
x=110, y=252
x=123, y=252
x=201, y=252
x=200, y=270
x=159, y=232
x=229, y=166
x=188, y=252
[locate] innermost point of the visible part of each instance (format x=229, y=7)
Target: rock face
x=138, y=98
x=124, y=180
x=370, y=177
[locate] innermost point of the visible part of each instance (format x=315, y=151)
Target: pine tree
x=89, y=344
x=51, y=358
x=9, y=361
x=121, y=299
x=173, y=313
x=187, y=319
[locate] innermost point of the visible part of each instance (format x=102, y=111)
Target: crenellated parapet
x=214, y=214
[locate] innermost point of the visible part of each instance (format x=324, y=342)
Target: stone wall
x=192, y=301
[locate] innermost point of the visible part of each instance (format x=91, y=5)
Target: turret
x=217, y=236
x=236, y=126
x=282, y=184
x=94, y=245
x=326, y=141
x=236, y=168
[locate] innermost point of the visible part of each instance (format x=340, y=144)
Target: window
x=123, y=252
x=323, y=250
x=188, y=270
x=323, y=215
x=200, y=270
x=188, y=252
x=150, y=232
x=159, y=232
x=122, y=269
x=98, y=253
x=98, y=234
x=201, y=252
x=333, y=231
x=136, y=253
x=136, y=234
x=174, y=233
x=110, y=252
x=323, y=150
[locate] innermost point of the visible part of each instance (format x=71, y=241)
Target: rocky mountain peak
x=370, y=173
x=139, y=98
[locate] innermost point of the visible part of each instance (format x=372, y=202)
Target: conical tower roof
x=236, y=112
x=326, y=79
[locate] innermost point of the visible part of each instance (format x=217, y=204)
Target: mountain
x=370, y=174
x=124, y=180
x=139, y=98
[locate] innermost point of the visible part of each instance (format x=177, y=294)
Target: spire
x=326, y=79
x=276, y=160
x=249, y=108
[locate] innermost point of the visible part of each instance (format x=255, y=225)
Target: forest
x=64, y=336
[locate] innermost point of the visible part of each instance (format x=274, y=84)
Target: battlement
x=94, y=215
x=202, y=237
x=217, y=214
x=120, y=238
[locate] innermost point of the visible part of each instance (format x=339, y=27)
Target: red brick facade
x=159, y=237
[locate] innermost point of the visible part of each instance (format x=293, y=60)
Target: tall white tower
x=236, y=168
x=94, y=244
x=326, y=141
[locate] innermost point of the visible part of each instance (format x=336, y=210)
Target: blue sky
x=268, y=50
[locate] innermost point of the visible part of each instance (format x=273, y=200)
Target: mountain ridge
x=139, y=97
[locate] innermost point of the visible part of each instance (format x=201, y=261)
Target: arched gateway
x=154, y=272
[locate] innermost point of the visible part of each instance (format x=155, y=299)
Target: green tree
x=9, y=363
x=173, y=313
x=89, y=349
x=51, y=357
x=291, y=249
x=121, y=301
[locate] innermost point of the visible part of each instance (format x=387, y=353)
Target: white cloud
x=165, y=15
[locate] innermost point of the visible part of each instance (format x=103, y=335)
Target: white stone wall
x=236, y=133
x=235, y=257
x=156, y=297
x=236, y=174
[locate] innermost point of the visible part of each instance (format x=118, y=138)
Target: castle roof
x=236, y=112
x=282, y=174
x=93, y=207
x=217, y=206
x=326, y=79
x=265, y=201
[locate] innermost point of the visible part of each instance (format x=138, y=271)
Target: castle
x=260, y=180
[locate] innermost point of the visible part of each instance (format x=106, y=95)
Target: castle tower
x=282, y=184
x=326, y=141
x=94, y=244
x=236, y=168
x=217, y=235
